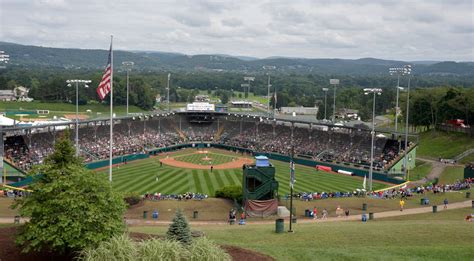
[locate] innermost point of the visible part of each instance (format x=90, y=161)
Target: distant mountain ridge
x=35, y=56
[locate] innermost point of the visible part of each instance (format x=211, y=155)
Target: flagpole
x=292, y=178
x=111, y=106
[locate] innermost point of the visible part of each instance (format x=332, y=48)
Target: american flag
x=104, y=85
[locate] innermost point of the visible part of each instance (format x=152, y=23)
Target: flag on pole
x=105, y=83
x=365, y=181
x=292, y=174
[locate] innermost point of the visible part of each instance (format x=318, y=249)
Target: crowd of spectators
x=340, y=145
x=184, y=196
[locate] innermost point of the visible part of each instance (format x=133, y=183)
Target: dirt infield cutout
x=237, y=163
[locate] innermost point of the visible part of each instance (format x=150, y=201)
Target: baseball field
x=189, y=170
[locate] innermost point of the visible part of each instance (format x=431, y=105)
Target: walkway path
x=392, y=213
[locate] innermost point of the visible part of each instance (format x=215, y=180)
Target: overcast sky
x=401, y=29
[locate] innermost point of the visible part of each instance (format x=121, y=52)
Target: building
x=241, y=104
x=300, y=110
x=19, y=93
x=347, y=114
x=7, y=95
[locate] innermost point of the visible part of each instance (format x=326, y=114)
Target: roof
x=261, y=157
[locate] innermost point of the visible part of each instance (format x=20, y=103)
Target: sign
x=333, y=81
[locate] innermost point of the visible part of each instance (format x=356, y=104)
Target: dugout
x=469, y=170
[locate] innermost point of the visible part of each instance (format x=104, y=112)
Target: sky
x=406, y=30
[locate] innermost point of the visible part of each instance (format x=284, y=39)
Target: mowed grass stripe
x=236, y=176
x=169, y=180
x=226, y=177
x=191, y=182
x=197, y=182
x=180, y=186
x=208, y=177
x=151, y=178
x=203, y=182
x=123, y=178
x=218, y=175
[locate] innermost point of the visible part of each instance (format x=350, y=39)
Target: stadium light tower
x=168, y=89
x=128, y=67
x=268, y=68
x=325, y=90
x=69, y=84
x=398, y=71
x=248, y=79
x=407, y=72
x=334, y=82
x=4, y=58
x=374, y=91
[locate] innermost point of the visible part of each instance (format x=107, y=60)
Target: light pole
x=334, y=82
x=397, y=71
x=268, y=67
x=69, y=84
x=325, y=90
x=407, y=72
x=128, y=67
x=248, y=79
x=4, y=58
x=168, y=89
x=375, y=91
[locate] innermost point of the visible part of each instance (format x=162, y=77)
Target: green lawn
x=59, y=109
x=140, y=176
x=451, y=174
x=442, y=144
x=440, y=236
x=422, y=169
x=467, y=159
x=213, y=158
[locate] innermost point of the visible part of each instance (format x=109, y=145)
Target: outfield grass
x=451, y=174
x=422, y=169
x=140, y=176
x=438, y=236
x=443, y=144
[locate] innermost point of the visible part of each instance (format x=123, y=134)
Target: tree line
x=434, y=99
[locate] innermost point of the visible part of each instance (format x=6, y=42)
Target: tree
x=224, y=97
x=179, y=230
x=70, y=208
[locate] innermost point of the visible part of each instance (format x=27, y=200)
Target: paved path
x=436, y=171
x=392, y=213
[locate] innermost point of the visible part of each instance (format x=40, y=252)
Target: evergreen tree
x=179, y=230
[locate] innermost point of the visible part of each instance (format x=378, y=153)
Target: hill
x=36, y=56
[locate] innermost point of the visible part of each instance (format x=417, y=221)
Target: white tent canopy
x=4, y=121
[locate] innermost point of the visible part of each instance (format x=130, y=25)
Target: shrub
x=230, y=192
x=179, y=229
x=123, y=248
x=205, y=249
x=156, y=249
x=117, y=248
x=132, y=198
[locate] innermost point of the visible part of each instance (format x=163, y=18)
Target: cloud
x=390, y=29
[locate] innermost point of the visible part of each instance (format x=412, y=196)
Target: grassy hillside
x=443, y=144
x=59, y=109
x=401, y=238
x=451, y=174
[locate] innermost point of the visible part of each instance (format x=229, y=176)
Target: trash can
x=435, y=209
x=195, y=214
x=473, y=204
x=371, y=216
x=306, y=212
x=364, y=218
x=16, y=220
x=422, y=201
x=293, y=220
x=145, y=214
x=364, y=206
x=468, y=194
x=279, y=225
x=154, y=215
